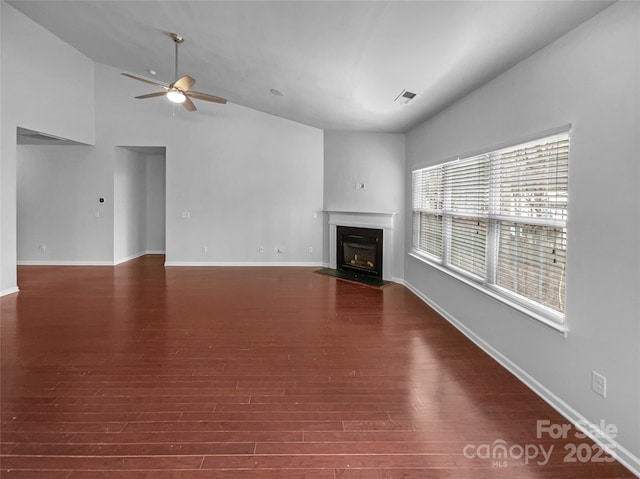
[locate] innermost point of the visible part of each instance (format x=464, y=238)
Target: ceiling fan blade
x=151, y=95
x=146, y=81
x=188, y=104
x=205, y=97
x=183, y=83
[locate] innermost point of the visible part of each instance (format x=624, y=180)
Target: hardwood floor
x=137, y=371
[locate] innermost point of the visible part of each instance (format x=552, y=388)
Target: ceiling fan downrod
x=178, y=39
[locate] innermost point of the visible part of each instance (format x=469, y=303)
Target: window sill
x=528, y=312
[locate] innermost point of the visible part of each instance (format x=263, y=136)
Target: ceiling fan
x=180, y=90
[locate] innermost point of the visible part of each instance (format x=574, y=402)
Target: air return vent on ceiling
x=405, y=97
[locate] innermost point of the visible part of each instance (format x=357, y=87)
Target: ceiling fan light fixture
x=176, y=96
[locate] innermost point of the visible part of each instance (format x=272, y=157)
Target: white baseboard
x=64, y=263
x=239, y=263
x=129, y=258
x=5, y=292
x=624, y=456
x=88, y=262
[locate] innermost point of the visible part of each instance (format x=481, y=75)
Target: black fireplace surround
x=359, y=250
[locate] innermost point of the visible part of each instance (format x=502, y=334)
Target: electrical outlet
x=599, y=384
x=185, y=215
x=310, y=249
x=205, y=250
x=43, y=248
x=261, y=249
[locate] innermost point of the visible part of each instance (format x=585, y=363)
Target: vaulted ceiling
x=338, y=64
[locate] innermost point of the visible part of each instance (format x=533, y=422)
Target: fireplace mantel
x=363, y=219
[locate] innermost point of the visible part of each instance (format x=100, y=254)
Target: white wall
x=129, y=204
x=378, y=161
x=589, y=78
x=246, y=179
x=57, y=206
x=60, y=219
x=36, y=64
x=155, y=203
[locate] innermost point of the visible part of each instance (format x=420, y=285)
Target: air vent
x=405, y=97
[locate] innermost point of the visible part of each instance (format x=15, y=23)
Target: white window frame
x=490, y=213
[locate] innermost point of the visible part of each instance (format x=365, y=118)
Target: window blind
x=532, y=185
x=532, y=181
x=500, y=218
x=428, y=198
x=466, y=210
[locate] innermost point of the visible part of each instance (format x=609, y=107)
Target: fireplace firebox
x=359, y=250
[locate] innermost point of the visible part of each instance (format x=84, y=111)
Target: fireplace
x=363, y=221
x=359, y=250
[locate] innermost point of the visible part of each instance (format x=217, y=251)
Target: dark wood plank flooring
x=137, y=371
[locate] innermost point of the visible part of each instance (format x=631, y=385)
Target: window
x=499, y=219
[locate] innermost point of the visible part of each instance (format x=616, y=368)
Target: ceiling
x=339, y=64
